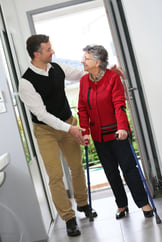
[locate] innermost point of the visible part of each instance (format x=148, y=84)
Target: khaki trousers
x=50, y=142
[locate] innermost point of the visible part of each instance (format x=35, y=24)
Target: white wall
x=144, y=20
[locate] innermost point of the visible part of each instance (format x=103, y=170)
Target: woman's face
x=89, y=63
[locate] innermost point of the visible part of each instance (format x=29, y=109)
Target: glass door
x=11, y=74
x=134, y=92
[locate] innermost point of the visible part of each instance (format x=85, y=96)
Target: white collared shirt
x=34, y=102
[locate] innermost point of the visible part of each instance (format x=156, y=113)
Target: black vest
x=51, y=89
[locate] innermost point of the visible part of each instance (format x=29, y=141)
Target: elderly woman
x=101, y=110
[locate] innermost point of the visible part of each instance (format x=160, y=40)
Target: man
x=42, y=91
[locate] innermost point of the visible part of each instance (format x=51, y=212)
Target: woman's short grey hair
x=99, y=53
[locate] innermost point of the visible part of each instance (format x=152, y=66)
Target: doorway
x=87, y=23
x=71, y=26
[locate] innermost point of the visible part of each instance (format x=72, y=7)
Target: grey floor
x=133, y=228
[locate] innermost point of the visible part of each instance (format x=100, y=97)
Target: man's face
x=46, y=52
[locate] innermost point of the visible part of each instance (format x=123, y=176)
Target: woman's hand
x=121, y=134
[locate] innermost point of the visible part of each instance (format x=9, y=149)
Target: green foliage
x=24, y=142
x=134, y=142
x=92, y=154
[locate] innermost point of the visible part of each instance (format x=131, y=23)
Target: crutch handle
x=86, y=143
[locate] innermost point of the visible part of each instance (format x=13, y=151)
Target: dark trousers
x=113, y=154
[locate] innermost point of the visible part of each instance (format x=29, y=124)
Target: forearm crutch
x=158, y=220
x=88, y=182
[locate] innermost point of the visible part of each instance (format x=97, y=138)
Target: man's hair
x=33, y=43
x=99, y=53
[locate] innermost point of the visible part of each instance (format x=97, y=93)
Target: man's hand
x=75, y=131
x=119, y=71
x=121, y=134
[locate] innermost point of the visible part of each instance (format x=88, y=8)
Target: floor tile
x=133, y=228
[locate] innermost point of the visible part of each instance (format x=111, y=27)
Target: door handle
x=132, y=89
x=2, y=177
x=4, y=161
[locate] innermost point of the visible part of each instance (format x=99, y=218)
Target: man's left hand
x=119, y=71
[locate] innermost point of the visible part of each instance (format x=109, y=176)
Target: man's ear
x=36, y=54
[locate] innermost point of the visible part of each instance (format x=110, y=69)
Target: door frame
x=51, y=8
x=14, y=73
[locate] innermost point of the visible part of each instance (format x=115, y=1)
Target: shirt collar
x=41, y=71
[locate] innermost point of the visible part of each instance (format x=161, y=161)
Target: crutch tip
x=91, y=218
x=158, y=220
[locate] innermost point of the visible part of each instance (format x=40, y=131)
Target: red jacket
x=101, y=106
